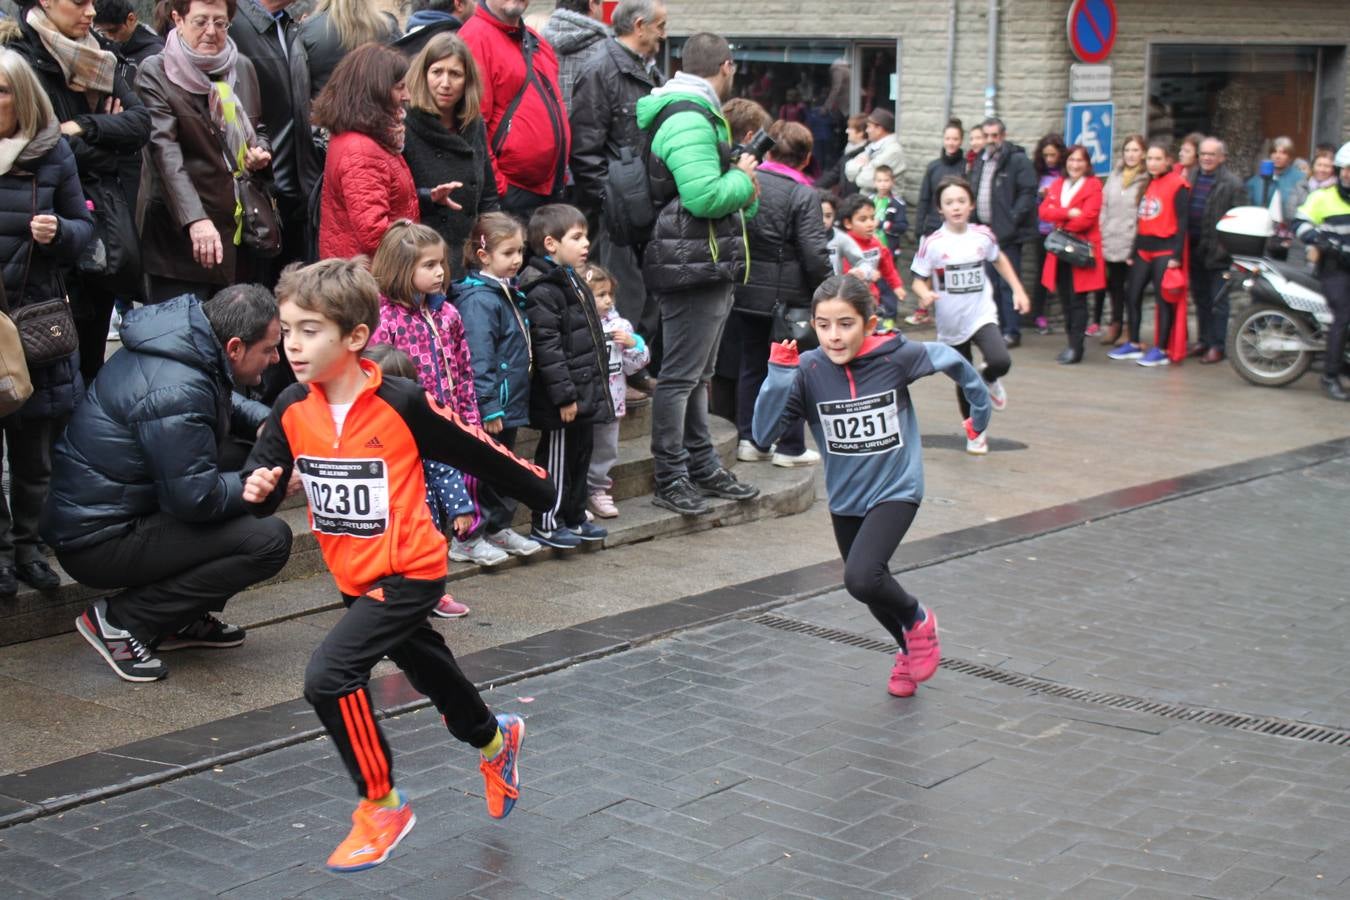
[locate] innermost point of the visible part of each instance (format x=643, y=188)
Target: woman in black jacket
x=789, y=257
x=335, y=28
x=89, y=86
x=952, y=163
x=44, y=226
x=445, y=141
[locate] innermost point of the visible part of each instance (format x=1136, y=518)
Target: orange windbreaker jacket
x=367, y=497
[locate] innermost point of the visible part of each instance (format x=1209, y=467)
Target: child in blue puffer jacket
x=853, y=393
x=498, y=334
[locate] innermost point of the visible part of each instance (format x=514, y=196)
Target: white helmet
x=1342, y=156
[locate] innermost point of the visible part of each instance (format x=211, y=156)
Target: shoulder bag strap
x=504, y=125
x=28, y=261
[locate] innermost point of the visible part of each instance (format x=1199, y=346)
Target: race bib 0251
x=346, y=496
x=863, y=426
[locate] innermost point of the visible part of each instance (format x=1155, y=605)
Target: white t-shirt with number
x=956, y=265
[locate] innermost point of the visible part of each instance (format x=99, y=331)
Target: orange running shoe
x=501, y=780
x=375, y=833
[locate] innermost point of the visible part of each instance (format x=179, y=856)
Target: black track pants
x=867, y=544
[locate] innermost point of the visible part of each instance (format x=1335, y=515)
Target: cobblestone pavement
x=741, y=759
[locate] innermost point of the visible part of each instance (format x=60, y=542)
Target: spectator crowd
x=476, y=164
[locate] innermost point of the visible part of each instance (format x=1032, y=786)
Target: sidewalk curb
x=49, y=789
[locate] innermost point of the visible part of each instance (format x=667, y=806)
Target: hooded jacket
x=570, y=362
x=532, y=153
x=699, y=237
x=861, y=416
x=498, y=334
x=573, y=36
x=147, y=437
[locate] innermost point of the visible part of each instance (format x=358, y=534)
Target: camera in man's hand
x=757, y=146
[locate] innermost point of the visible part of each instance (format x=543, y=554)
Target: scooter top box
x=1244, y=230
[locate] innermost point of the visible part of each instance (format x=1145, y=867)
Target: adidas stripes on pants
x=338, y=676
x=565, y=453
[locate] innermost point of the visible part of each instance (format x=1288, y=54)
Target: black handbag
x=1070, y=248
x=46, y=328
x=115, y=247
x=792, y=323
x=259, y=220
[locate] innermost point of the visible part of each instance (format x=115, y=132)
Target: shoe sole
x=1153, y=365
x=665, y=504
x=594, y=539
x=510, y=552
x=904, y=691
x=461, y=557
x=794, y=464
x=166, y=647
x=547, y=543
x=412, y=820
x=84, y=629
x=441, y=615
x=984, y=452
x=726, y=495
x=755, y=458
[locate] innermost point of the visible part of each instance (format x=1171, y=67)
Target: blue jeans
x=1009, y=320
x=691, y=331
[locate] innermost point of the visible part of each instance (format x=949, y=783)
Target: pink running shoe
x=1093, y=330
x=449, y=608
x=901, y=685
x=924, y=650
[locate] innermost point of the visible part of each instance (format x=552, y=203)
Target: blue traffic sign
x=1090, y=124
x=1092, y=29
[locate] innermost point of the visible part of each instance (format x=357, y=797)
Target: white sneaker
x=998, y=395
x=807, y=457
x=513, y=542
x=978, y=445
x=476, y=550
x=746, y=451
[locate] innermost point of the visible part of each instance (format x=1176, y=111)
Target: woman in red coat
x=367, y=185
x=1073, y=203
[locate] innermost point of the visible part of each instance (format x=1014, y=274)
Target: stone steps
x=32, y=614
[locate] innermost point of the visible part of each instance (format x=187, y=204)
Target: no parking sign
x=1092, y=29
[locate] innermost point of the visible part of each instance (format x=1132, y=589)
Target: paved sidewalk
x=742, y=759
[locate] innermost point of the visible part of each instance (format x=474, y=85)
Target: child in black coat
x=569, y=391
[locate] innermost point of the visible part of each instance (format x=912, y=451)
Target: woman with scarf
x=447, y=142
x=789, y=258
x=106, y=126
x=952, y=163
x=44, y=226
x=1119, y=219
x=204, y=105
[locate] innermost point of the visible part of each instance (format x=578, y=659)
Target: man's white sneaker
x=998, y=395
x=807, y=457
x=513, y=542
x=746, y=451
x=476, y=550
x=978, y=445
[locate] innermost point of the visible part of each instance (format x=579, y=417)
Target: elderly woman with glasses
x=204, y=106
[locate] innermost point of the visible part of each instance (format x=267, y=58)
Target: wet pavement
x=1137, y=701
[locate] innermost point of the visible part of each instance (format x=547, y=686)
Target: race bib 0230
x=863, y=426
x=346, y=496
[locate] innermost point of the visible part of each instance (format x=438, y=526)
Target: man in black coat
x=265, y=33
x=1216, y=190
x=618, y=72
x=139, y=502
x=1005, y=200
x=117, y=21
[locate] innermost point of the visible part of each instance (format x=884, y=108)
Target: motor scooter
x=1281, y=317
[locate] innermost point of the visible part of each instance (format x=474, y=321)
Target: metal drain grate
x=1289, y=728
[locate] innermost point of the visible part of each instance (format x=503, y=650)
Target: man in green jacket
x=697, y=253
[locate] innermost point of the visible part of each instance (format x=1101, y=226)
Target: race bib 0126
x=346, y=496
x=964, y=278
x=863, y=426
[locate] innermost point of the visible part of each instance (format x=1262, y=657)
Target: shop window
x=810, y=81
x=1242, y=94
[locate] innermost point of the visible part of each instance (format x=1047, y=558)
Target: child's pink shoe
x=924, y=650
x=901, y=685
x=449, y=608
x=602, y=504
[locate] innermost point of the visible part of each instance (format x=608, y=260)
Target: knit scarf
x=24, y=148
x=86, y=65
x=213, y=76
x=1128, y=175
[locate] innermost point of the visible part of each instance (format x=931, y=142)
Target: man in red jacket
x=528, y=134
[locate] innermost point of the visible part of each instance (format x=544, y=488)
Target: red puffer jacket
x=533, y=152
x=365, y=190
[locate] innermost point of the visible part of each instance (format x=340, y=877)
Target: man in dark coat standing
x=1217, y=189
x=265, y=33
x=140, y=502
x=1005, y=200
x=619, y=72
